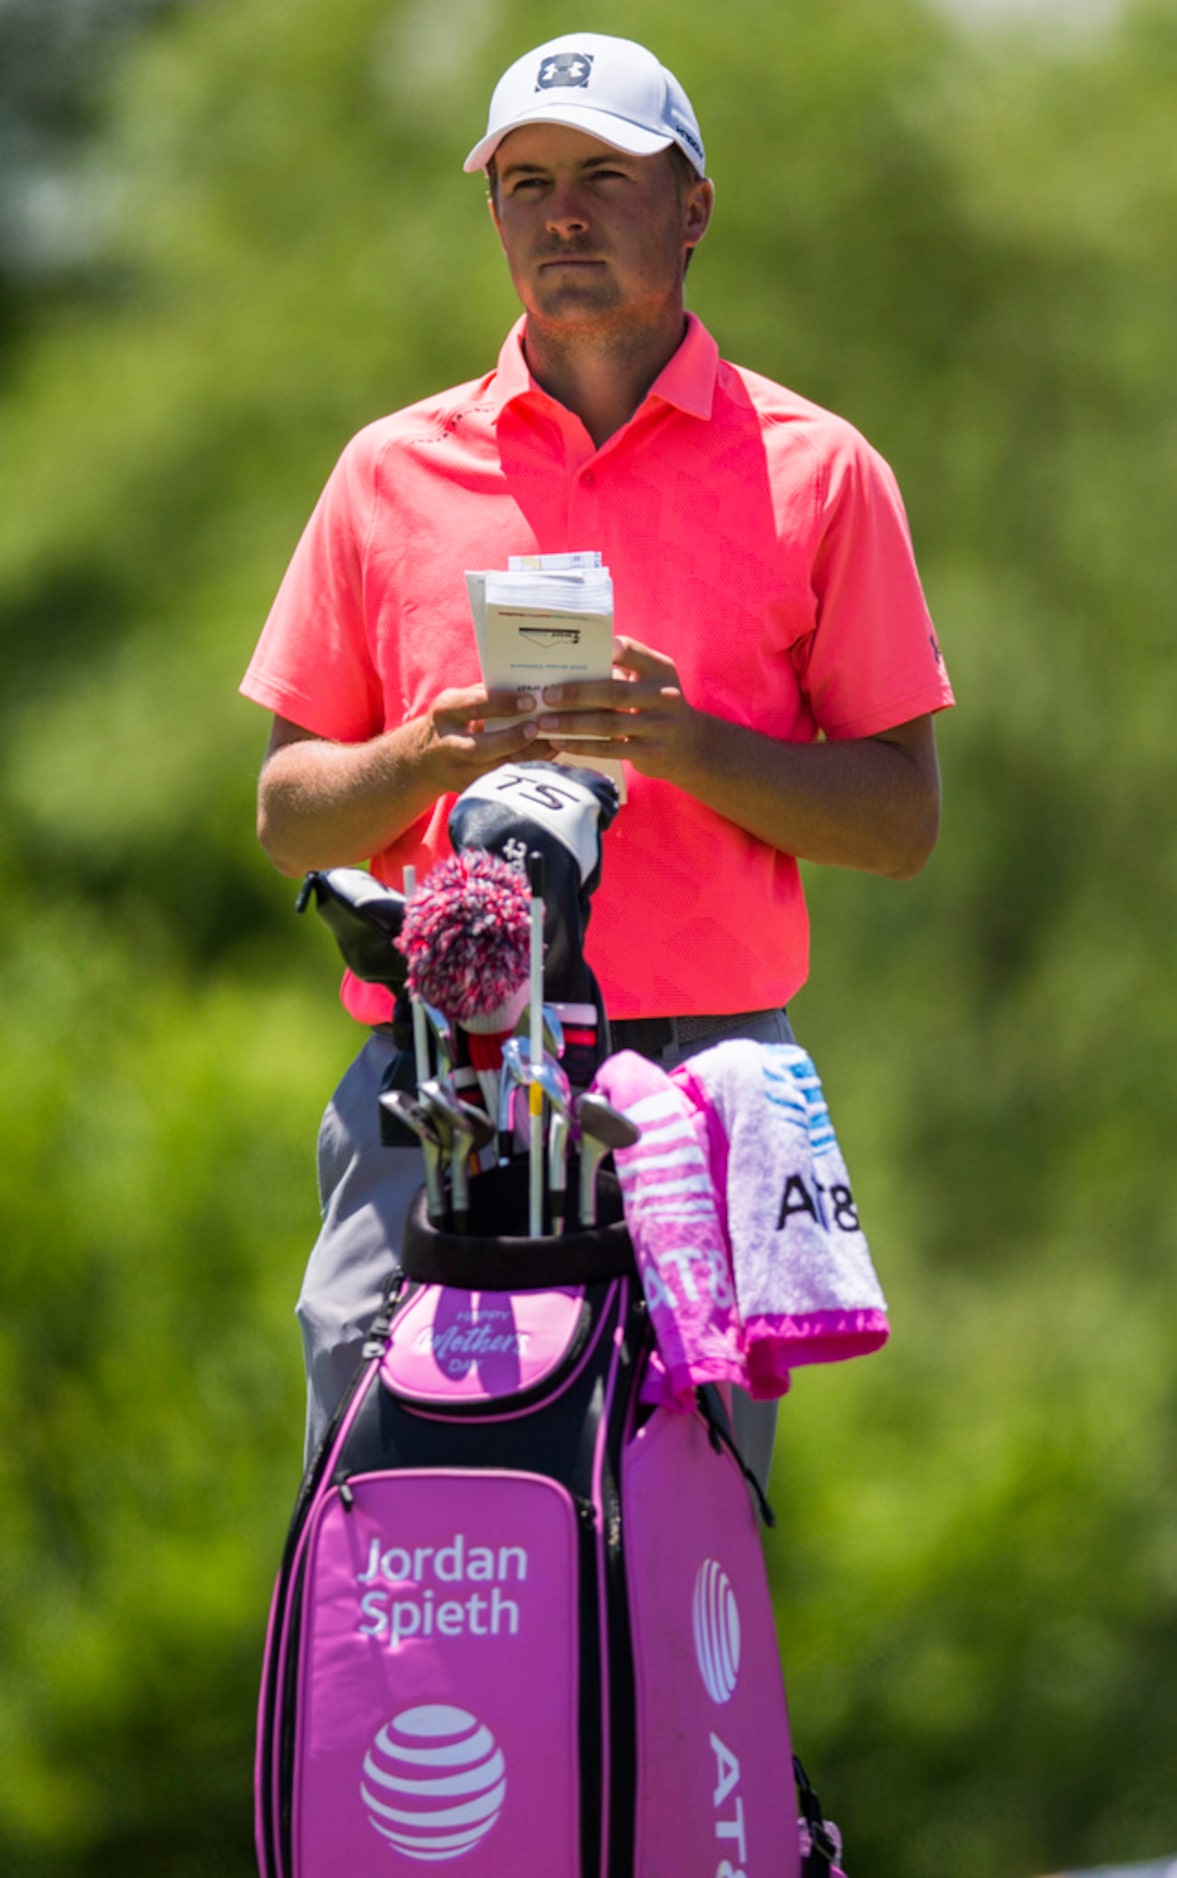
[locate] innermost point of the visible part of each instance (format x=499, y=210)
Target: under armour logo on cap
x=564, y=68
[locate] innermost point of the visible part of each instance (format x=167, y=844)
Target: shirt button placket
x=582, y=518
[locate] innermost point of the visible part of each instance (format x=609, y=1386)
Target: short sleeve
x=873, y=659
x=313, y=662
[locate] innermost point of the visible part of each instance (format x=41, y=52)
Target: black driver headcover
x=560, y=812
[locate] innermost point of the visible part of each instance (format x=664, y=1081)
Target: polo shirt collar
x=687, y=380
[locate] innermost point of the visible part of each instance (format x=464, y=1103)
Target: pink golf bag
x=522, y=1624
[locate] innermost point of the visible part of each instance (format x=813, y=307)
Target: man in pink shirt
x=776, y=670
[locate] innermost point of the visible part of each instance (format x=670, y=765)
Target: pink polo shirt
x=754, y=538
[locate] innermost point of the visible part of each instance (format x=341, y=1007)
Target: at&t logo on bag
x=434, y=1781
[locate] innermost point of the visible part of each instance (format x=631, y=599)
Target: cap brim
x=617, y=132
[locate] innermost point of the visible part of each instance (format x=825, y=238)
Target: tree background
x=232, y=231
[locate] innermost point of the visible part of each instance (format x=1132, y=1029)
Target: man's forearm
x=871, y=803
x=330, y=804
x=324, y=804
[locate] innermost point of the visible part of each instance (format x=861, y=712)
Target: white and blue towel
x=806, y=1288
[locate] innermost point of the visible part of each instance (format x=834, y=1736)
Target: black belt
x=649, y=1036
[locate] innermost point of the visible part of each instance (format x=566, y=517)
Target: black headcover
x=364, y=917
x=559, y=812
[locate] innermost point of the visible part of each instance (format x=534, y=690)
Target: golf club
x=408, y=1110
x=553, y=1029
x=602, y=1129
x=420, y=1031
x=535, y=880
x=559, y=1129
x=513, y=1076
x=442, y=1033
x=464, y=1128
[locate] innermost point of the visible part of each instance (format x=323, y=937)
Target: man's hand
x=453, y=737
x=867, y=802
x=323, y=804
x=645, y=714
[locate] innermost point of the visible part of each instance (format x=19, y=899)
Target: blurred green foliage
x=963, y=241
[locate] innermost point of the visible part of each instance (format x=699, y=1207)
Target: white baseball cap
x=610, y=88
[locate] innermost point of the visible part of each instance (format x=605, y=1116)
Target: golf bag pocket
x=454, y=1348
x=714, y=1767
x=438, y=1678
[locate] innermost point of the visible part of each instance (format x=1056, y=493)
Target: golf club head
x=513, y=1076
x=461, y=1118
x=412, y=1112
x=602, y=1129
x=553, y=1029
x=516, y=1074
x=442, y=1033
x=436, y=1096
x=408, y=1111
x=554, y=1083
x=550, y=1073
x=461, y=1126
x=606, y=1123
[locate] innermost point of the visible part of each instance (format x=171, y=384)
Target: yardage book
x=547, y=621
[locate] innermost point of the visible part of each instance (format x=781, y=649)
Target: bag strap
x=825, y=1845
x=711, y=1408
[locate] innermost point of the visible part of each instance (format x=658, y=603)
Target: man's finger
x=509, y=703
x=630, y=655
x=583, y=726
x=589, y=695
x=473, y=704
x=508, y=740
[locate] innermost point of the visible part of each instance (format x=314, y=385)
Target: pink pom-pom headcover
x=466, y=934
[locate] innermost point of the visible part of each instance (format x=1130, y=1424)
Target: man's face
x=593, y=237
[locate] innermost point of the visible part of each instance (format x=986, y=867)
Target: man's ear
x=697, y=206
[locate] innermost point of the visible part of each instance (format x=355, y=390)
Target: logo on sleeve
x=564, y=68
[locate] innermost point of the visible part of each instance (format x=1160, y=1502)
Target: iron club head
x=463, y=1128
x=409, y=1111
x=553, y=1029
x=443, y=1037
x=513, y=1076
x=602, y=1128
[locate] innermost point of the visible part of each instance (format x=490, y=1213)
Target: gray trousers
x=364, y=1193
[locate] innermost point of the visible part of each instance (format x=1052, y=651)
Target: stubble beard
x=595, y=313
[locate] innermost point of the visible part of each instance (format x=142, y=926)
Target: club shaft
x=460, y=1180
x=420, y=1032
x=592, y=1153
x=535, y=876
x=535, y=1223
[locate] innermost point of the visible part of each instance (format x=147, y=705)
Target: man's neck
x=602, y=377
